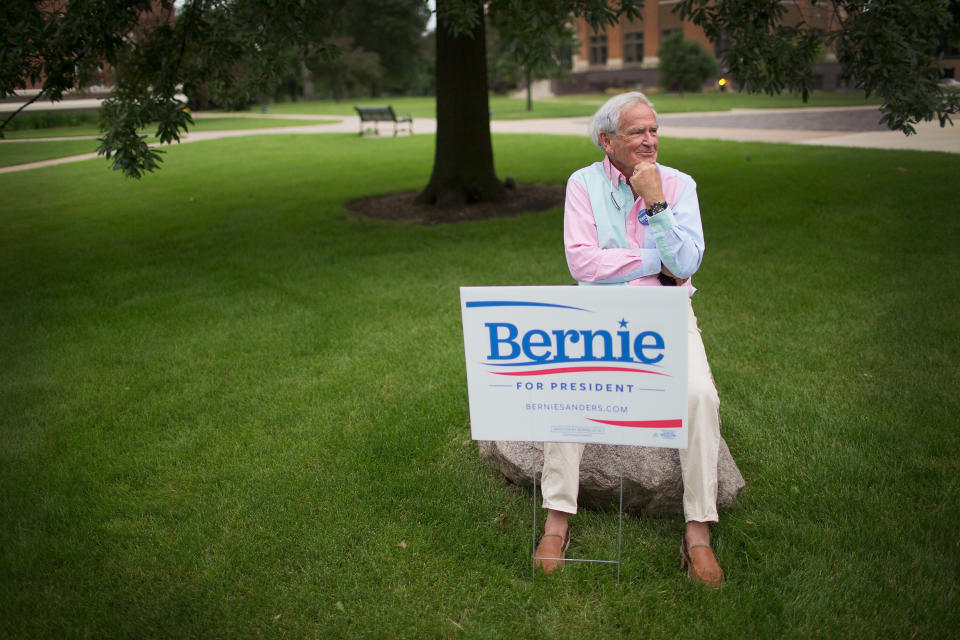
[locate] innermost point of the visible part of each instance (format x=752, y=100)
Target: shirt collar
x=615, y=176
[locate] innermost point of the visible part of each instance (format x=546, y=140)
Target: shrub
x=685, y=65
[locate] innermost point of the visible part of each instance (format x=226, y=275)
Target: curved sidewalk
x=836, y=127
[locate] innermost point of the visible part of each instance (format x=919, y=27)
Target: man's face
x=636, y=140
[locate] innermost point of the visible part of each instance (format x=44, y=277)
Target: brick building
x=625, y=55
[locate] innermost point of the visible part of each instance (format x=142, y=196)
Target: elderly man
x=631, y=221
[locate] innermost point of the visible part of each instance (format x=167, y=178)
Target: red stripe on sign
x=642, y=424
x=545, y=372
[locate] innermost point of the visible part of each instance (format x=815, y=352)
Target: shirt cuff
x=660, y=224
x=662, y=221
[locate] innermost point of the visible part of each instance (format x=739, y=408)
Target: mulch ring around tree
x=400, y=207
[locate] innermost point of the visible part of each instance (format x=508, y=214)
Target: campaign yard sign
x=600, y=364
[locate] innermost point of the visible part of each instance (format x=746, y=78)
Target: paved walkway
x=838, y=126
x=835, y=127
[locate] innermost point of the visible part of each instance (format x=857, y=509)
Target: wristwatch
x=656, y=208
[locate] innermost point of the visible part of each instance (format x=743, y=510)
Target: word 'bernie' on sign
x=542, y=346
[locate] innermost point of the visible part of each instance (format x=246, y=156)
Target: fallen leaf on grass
x=402, y=544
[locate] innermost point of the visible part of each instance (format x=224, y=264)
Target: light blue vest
x=611, y=206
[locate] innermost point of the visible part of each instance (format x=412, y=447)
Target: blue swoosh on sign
x=518, y=303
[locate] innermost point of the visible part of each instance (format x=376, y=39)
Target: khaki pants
x=698, y=462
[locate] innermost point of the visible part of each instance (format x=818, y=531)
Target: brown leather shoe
x=701, y=564
x=551, y=551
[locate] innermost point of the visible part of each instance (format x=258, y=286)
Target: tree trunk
x=309, y=91
x=463, y=160
x=529, y=79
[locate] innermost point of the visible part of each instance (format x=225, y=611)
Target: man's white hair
x=607, y=117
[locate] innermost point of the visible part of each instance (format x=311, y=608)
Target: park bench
x=383, y=114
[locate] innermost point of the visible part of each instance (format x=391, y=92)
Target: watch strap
x=656, y=208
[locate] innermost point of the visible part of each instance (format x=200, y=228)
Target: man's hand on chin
x=645, y=182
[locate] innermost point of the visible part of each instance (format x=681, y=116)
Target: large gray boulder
x=651, y=475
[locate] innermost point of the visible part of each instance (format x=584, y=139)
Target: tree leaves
x=890, y=48
x=122, y=121
x=886, y=47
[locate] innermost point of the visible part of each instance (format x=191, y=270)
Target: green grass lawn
x=231, y=408
x=504, y=108
x=215, y=123
x=670, y=102
x=14, y=153
x=26, y=149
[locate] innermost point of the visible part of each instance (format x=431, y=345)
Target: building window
x=633, y=46
x=598, y=50
x=666, y=33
